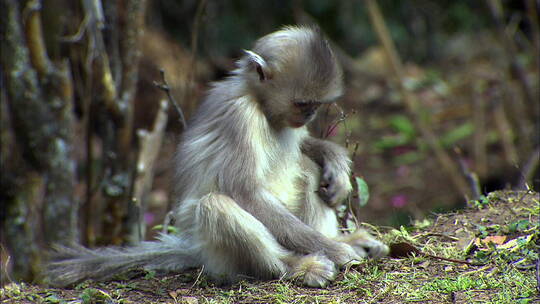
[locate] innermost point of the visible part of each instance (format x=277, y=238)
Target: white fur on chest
x=281, y=170
x=278, y=158
x=283, y=183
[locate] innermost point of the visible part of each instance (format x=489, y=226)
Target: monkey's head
x=291, y=73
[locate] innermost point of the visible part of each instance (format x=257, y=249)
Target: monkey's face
x=302, y=112
x=291, y=73
x=293, y=102
x=292, y=99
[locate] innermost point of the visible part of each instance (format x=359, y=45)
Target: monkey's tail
x=70, y=265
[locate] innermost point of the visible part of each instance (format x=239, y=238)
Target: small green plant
x=519, y=226
x=150, y=274
x=448, y=285
x=480, y=203
x=95, y=296
x=52, y=298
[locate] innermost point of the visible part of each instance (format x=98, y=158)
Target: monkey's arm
x=291, y=232
x=335, y=182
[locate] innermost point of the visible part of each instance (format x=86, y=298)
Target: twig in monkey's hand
x=164, y=86
x=332, y=127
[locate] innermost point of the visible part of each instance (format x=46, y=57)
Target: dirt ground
x=495, y=238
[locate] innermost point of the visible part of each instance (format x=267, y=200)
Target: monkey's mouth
x=298, y=121
x=297, y=124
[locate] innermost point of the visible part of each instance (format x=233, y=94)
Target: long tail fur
x=70, y=265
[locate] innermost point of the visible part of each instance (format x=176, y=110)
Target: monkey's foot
x=313, y=270
x=374, y=248
x=365, y=245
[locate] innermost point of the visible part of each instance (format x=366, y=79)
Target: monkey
x=255, y=192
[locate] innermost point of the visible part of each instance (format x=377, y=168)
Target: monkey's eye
x=306, y=103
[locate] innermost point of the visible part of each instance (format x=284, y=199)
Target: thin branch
x=150, y=144
x=450, y=260
x=194, y=46
x=504, y=129
x=198, y=277
x=96, y=50
x=195, y=32
x=355, y=150
x=353, y=210
x=472, y=178
x=34, y=37
x=324, y=119
x=130, y=40
x=496, y=11
x=532, y=14
x=480, y=138
x=528, y=170
x=341, y=119
x=79, y=34
x=164, y=86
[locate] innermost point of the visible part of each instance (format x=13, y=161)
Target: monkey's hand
x=335, y=184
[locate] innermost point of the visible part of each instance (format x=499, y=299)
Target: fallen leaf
x=495, y=239
x=401, y=250
x=189, y=300
x=173, y=294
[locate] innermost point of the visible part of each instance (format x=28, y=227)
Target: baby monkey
x=248, y=174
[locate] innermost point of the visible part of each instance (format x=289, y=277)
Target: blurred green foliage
x=406, y=133
x=417, y=27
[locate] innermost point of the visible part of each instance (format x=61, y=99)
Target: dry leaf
x=173, y=294
x=189, y=300
x=495, y=239
x=401, y=250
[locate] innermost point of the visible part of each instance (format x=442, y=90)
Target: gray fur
x=70, y=265
x=247, y=175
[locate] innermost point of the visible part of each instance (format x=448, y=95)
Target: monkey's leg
x=235, y=243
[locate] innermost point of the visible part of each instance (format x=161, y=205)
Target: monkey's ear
x=258, y=63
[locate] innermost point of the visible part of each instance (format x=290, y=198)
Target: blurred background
x=441, y=107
